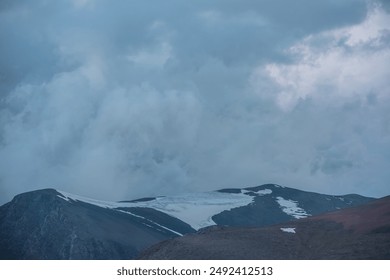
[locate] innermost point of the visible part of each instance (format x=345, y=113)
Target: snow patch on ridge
x=104, y=204
x=264, y=192
x=289, y=230
x=260, y=192
x=195, y=209
x=290, y=207
x=63, y=197
x=157, y=224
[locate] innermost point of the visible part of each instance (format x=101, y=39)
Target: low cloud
x=335, y=94
x=137, y=99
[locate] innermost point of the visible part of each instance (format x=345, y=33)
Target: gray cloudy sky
x=123, y=99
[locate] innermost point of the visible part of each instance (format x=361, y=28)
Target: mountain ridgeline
x=51, y=224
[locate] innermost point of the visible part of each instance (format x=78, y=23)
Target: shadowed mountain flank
x=41, y=225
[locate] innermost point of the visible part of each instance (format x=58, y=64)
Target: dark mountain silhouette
x=40, y=225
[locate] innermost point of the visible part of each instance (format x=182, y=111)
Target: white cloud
x=334, y=66
x=331, y=101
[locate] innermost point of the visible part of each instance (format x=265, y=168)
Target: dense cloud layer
x=132, y=99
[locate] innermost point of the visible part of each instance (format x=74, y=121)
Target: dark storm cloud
x=132, y=99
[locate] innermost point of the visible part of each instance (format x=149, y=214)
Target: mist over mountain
x=138, y=99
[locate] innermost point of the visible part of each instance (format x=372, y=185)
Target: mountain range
x=52, y=224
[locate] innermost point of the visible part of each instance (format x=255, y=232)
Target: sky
x=125, y=99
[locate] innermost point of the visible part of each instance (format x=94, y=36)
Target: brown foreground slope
x=356, y=233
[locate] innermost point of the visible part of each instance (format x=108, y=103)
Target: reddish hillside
x=371, y=217
x=361, y=232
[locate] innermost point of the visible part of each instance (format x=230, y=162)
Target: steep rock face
x=42, y=225
x=361, y=232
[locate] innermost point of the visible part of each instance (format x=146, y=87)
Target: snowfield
x=195, y=209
